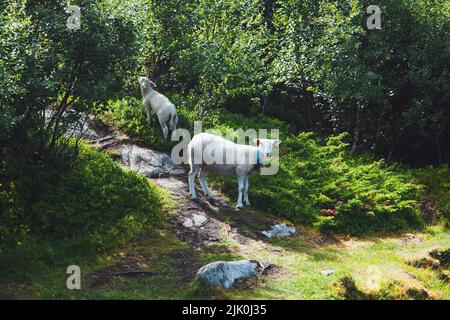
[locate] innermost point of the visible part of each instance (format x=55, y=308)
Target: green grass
x=37, y=269
x=372, y=262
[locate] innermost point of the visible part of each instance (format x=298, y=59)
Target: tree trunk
x=394, y=145
x=269, y=7
x=356, y=131
x=264, y=104
x=377, y=137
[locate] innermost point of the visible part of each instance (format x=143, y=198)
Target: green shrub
x=129, y=115
x=93, y=204
x=363, y=196
x=437, y=190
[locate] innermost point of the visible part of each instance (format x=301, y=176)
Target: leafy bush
x=93, y=201
x=47, y=66
x=437, y=190
x=389, y=88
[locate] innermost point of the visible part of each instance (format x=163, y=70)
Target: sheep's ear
x=152, y=84
x=276, y=142
x=257, y=142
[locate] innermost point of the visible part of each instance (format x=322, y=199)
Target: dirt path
x=222, y=220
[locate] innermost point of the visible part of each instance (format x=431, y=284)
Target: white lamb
x=160, y=104
x=214, y=153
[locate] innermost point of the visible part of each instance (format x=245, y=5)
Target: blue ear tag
x=258, y=157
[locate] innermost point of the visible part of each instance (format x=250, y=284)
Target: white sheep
x=216, y=154
x=160, y=104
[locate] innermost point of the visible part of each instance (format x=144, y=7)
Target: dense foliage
x=320, y=183
x=389, y=88
x=47, y=66
x=88, y=207
x=315, y=64
x=299, y=66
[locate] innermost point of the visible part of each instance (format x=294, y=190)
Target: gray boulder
x=225, y=273
x=279, y=230
x=79, y=124
x=199, y=220
x=148, y=162
x=83, y=128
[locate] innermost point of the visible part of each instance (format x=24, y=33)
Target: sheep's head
x=266, y=147
x=146, y=83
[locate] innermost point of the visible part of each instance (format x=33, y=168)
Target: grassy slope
x=300, y=278
x=371, y=262
x=173, y=262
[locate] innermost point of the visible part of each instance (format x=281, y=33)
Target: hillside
x=345, y=101
x=161, y=263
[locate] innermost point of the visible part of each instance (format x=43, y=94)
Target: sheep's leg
x=204, y=184
x=241, y=191
x=165, y=129
x=174, y=126
x=246, y=185
x=175, y=122
x=149, y=116
x=191, y=179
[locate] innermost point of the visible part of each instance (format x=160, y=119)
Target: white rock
x=327, y=272
x=225, y=273
x=149, y=162
x=199, y=220
x=188, y=223
x=279, y=230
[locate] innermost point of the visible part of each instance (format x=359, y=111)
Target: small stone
x=279, y=230
x=199, y=220
x=177, y=171
x=188, y=223
x=327, y=272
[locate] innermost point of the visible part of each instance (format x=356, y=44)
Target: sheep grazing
x=216, y=154
x=159, y=104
